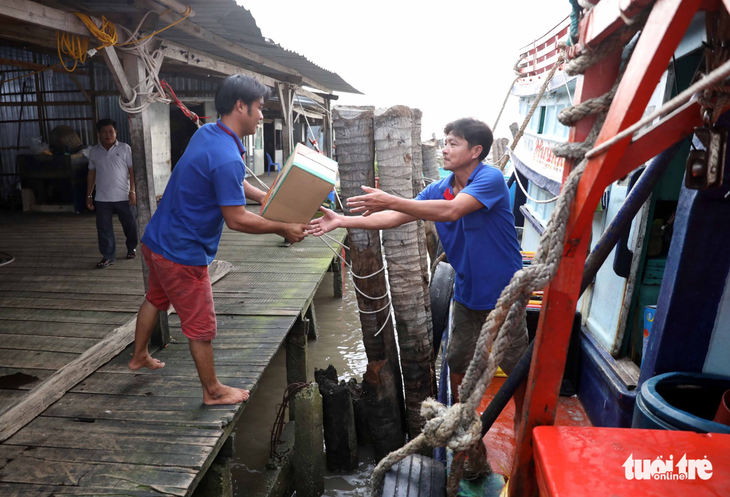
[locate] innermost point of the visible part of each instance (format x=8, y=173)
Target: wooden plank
x=42, y=430
x=35, y=360
x=178, y=411
x=42, y=454
x=173, y=481
x=71, y=305
x=151, y=385
x=57, y=329
x=21, y=490
x=46, y=344
x=81, y=367
x=57, y=316
x=115, y=67
x=190, y=56
x=40, y=15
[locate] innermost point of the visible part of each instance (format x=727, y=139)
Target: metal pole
x=636, y=198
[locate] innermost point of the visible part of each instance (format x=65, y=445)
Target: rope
x=184, y=108
x=503, y=161
x=549, y=201
x=458, y=427
x=518, y=75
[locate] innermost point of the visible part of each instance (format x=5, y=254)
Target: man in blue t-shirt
x=206, y=189
x=471, y=209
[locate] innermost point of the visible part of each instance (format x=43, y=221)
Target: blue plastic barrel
x=681, y=401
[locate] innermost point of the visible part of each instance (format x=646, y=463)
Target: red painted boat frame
x=664, y=29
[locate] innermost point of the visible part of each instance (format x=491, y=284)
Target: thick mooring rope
x=459, y=427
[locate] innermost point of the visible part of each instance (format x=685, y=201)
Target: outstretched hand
x=324, y=224
x=374, y=201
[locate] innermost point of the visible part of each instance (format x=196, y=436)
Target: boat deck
x=500, y=439
x=119, y=431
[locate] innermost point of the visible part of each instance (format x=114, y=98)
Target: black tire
x=442, y=291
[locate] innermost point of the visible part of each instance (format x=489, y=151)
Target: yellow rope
x=76, y=46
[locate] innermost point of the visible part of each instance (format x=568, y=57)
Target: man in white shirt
x=110, y=168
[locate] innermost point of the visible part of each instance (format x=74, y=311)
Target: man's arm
x=132, y=188
x=379, y=221
x=90, y=182
x=239, y=219
x=430, y=210
x=252, y=192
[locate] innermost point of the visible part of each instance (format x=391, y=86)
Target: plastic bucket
x=681, y=401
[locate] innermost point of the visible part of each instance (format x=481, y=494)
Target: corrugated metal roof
x=236, y=24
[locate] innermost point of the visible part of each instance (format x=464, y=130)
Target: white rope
x=151, y=81
x=517, y=178
x=266, y=187
x=386, y=306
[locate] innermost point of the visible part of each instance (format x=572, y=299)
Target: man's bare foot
x=225, y=395
x=146, y=362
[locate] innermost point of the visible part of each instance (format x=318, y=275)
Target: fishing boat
x=636, y=316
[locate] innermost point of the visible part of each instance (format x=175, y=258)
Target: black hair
x=474, y=131
x=105, y=122
x=239, y=87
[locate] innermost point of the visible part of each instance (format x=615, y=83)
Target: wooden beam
x=36, y=67
x=47, y=17
x=192, y=57
x=53, y=388
x=310, y=95
x=80, y=87
x=607, y=17
x=195, y=30
x=115, y=67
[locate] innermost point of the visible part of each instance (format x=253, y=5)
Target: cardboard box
x=302, y=185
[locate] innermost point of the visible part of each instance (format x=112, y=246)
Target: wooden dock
x=120, y=432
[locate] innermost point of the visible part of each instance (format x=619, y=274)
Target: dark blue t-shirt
x=482, y=246
x=187, y=225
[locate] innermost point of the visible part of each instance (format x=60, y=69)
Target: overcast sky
x=450, y=59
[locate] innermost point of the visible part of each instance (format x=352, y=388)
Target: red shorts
x=188, y=289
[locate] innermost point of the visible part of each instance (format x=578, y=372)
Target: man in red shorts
x=206, y=189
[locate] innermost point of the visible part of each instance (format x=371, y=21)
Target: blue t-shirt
x=187, y=225
x=482, y=246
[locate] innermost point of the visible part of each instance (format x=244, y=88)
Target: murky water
x=339, y=344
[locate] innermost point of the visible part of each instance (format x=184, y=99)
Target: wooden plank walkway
x=121, y=432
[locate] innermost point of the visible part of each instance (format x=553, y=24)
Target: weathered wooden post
x=431, y=174
x=340, y=438
x=296, y=357
x=430, y=163
x=356, y=156
x=392, y=136
x=308, y=458
x=384, y=419
x=134, y=75
x=418, y=185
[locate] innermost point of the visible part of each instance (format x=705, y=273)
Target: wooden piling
x=384, y=418
x=392, y=136
x=356, y=155
x=362, y=426
x=308, y=458
x=418, y=186
x=431, y=174
x=296, y=357
x=340, y=438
